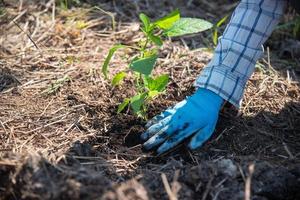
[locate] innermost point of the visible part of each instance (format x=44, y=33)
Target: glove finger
x=156, y=140
x=162, y=135
x=152, y=130
x=166, y=113
x=176, y=138
x=160, y=117
x=200, y=137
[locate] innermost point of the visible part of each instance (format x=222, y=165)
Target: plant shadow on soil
x=83, y=173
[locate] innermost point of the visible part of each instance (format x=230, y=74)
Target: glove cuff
x=211, y=97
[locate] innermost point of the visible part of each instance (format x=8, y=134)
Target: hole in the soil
x=133, y=138
x=7, y=79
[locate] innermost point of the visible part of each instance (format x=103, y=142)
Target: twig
x=26, y=34
x=208, y=186
x=288, y=151
x=109, y=14
x=21, y=5
x=175, y=184
x=224, y=131
x=50, y=102
x=16, y=18
x=53, y=13
x=7, y=163
x=248, y=182
x=47, y=125
x=170, y=193
x=3, y=127
x=73, y=124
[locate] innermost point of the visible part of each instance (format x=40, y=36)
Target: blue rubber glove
x=197, y=116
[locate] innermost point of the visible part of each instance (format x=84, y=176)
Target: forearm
x=240, y=47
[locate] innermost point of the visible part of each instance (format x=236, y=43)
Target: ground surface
x=71, y=144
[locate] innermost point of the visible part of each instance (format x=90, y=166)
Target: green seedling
x=296, y=29
x=292, y=27
x=54, y=87
x=216, y=28
x=143, y=62
x=66, y=4
x=2, y=9
x=81, y=24
x=2, y=12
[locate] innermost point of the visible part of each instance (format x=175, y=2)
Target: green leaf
x=168, y=21
x=137, y=101
x=156, y=39
x=108, y=58
x=118, y=78
x=215, y=37
x=156, y=84
x=146, y=22
x=215, y=32
x=152, y=94
x=296, y=29
x=144, y=65
x=123, y=105
x=54, y=87
x=64, y=4
x=81, y=24
x=186, y=26
x=219, y=23
x=150, y=52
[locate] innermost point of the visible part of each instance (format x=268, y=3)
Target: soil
x=70, y=143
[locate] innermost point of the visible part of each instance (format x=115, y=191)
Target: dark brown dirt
x=38, y=179
x=7, y=79
x=71, y=143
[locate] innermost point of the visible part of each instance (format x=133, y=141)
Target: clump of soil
x=36, y=178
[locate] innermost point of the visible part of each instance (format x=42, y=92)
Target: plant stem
x=145, y=46
x=66, y=4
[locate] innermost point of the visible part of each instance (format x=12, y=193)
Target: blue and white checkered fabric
x=240, y=47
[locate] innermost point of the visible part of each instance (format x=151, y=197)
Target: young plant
x=66, y=4
x=59, y=83
x=142, y=64
x=216, y=28
x=291, y=28
x=296, y=29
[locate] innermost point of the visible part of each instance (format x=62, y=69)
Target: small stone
x=226, y=166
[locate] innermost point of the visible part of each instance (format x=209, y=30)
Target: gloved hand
x=197, y=116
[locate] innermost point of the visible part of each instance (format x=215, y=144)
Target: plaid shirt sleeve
x=240, y=47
